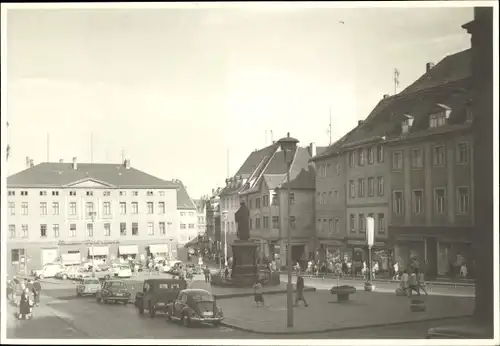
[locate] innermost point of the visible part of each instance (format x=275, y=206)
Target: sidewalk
x=365, y=309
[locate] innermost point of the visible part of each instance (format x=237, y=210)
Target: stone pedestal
x=245, y=269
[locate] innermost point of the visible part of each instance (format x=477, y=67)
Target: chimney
x=312, y=149
x=32, y=163
x=61, y=161
x=126, y=163
x=75, y=166
x=360, y=122
x=428, y=66
x=386, y=96
x=27, y=162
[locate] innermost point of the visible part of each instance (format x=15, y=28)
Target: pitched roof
x=184, y=202
x=306, y=179
x=50, y=174
x=447, y=83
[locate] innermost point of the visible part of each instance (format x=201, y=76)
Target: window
x=337, y=169
x=123, y=228
x=440, y=199
x=438, y=155
x=437, y=119
x=191, y=214
x=107, y=229
x=161, y=207
x=90, y=230
x=463, y=200
x=24, y=231
x=12, y=231
x=123, y=208
x=337, y=225
x=371, y=186
x=43, y=193
x=191, y=225
x=292, y=198
x=151, y=228
x=276, y=222
x=265, y=200
x=324, y=226
x=257, y=222
x=292, y=222
x=397, y=160
x=250, y=223
x=150, y=208
x=90, y=193
x=323, y=198
x=397, y=202
x=107, y=208
x=43, y=231
x=55, y=230
x=380, y=154
x=371, y=156
x=417, y=158
x=55, y=193
x=418, y=201
x=162, y=193
x=462, y=153
x=135, y=208
x=183, y=213
x=55, y=208
x=24, y=208
x=361, y=187
x=362, y=226
x=352, y=223
x=381, y=224
x=327, y=170
x=12, y=208
x=183, y=225
x=43, y=208
x=257, y=202
x=352, y=159
x=72, y=208
x=250, y=202
x=330, y=226
x=12, y=193
x=24, y=193
x=161, y=226
x=135, y=228
x=106, y=193
x=149, y=193
x=72, y=193
x=330, y=193
x=352, y=189
x=274, y=201
x=361, y=157
x=72, y=230
x=135, y=193
x=122, y=193
x=265, y=221
x=89, y=208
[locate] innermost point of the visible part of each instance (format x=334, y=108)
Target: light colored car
x=64, y=274
x=171, y=265
x=123, y=271
x=89, y=286
x=48, y=271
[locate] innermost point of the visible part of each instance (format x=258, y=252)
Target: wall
x=188, y=217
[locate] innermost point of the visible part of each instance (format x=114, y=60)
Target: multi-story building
x=201, y=210
x=188, y=216
x=56, y=211
x=408, y=165
x=213, y=234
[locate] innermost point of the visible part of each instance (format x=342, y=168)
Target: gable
x=89, y=183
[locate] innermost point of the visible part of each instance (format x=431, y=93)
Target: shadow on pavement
x=40, y=327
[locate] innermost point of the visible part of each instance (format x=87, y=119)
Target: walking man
x=37, y=288
x=206, y=272
x=300, y=291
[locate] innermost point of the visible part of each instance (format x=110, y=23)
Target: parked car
x=173, y=267
x=88, y=286
x=64, y=273
x=157, y=293
x=48, y=271
x=113, y=291
x=123, y=271
x=73, y=272
x=195, y=306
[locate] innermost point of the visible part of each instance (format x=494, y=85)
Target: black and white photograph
x=250, y=173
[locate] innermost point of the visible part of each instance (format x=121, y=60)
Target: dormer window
x=439, y=118
x=407, y=123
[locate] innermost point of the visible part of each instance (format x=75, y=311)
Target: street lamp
x=93, y=215
x=370, y=225
x=224, y=217
x=288, y=146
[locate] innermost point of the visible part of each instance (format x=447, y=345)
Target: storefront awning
x=128, y=250
x=71, y=258
x=98, y=251
x=158, y=248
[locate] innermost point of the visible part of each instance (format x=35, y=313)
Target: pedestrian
x=25, y=305
x=463, y=270
x=421, y=282
x=226, y=273
x=300, y=291
x=413, y=284
x=258, y=297
x=375, y=269
x=404, y=282
x=37, y=289
x=396, y=271
x=10, y=291
x=206, y=272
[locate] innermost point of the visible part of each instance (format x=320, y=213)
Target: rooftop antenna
x=396, y=80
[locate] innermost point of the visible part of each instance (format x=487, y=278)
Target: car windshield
x=116, y=284
x=206, y=297
x=91, y=282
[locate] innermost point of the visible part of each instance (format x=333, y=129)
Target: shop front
x=99, y=253
x=159, y=250
x=71, y=258
x=128, y=252
x=330, y=250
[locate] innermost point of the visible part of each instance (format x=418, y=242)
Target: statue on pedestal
x=241, y=217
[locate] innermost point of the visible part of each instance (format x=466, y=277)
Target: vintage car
x=48, y=271
x=113, y=291
x=195, y=306
x=64, y=273
x=88, y=286
x=157, y=293
x=122, y=271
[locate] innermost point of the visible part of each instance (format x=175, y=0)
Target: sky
x=189, y=93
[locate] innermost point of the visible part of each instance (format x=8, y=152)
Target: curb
x=340, y=329
x=250, y=294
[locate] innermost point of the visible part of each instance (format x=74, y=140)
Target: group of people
x=299, y=296
x=29, y=292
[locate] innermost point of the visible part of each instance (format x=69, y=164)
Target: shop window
x=16, y=255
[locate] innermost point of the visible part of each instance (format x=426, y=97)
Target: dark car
x=157, y=293
x=113, y=291
x=195, y=306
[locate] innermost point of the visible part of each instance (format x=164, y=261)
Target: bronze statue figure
x=241, y=217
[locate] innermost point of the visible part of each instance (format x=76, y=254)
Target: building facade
x=201, y=210
x=188, y=215
x=64, y=211
x=213, y=233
